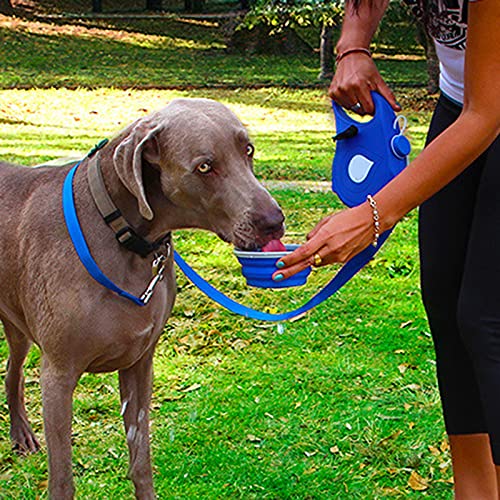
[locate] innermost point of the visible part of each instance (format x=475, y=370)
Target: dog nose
x=270, y=222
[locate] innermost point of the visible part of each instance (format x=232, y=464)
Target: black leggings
x=459, y=232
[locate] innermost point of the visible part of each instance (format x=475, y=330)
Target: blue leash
x=389, y=161
x=339, y=280
x=75, y=231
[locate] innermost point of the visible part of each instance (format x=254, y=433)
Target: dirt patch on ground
x=416, y=99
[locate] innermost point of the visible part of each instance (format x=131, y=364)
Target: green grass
x=342, y=404
x=167, y=53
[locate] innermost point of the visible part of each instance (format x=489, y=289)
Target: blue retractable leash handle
x=368, y=154
x=367, y=157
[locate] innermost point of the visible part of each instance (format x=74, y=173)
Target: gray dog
x=188, y=165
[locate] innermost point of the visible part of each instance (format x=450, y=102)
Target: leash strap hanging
x=392, y=162
x=340, y=279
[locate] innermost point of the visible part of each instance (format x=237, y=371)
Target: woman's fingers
x=355, y=77
x=364, y=98
x=301, y=254
x=283, y=274
x=336, y=238
x=312, y=253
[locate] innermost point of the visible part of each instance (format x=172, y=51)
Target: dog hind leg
x=22, y=436
x=135, y=392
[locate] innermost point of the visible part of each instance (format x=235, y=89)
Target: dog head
x=194, y=159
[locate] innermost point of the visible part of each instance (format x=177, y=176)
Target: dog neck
x=118, y=207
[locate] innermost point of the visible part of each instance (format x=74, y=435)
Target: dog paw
x=24, y=440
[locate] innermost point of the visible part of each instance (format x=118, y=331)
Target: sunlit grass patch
x=291, y=129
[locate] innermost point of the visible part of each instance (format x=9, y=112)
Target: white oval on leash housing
x=359, y=167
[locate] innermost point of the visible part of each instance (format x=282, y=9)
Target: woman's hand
x=337, y=238
x=355, y=77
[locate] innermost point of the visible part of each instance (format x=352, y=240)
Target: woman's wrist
x=385, y=217
x=375, y=219
x=350, y=43
x=352, y=50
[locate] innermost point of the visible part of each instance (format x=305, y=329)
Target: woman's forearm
x=474, y=130
x=440, y=162
x=343, y=235
x=359, y=25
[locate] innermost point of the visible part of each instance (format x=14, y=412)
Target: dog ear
x=140, y=144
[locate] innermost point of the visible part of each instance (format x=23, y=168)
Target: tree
x=6, y=7
x=194, y=6
x=154, y=5
x=276, y=20
x=327, y=61
x=431, y=58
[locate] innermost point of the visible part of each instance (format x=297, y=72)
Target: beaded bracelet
x=346, y=52
x=376, y=219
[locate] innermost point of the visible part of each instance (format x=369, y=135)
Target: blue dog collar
x=80, y=244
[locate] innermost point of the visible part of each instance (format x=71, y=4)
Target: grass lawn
x=340, y=404
x=165, y=53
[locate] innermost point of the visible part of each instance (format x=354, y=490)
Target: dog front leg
x=57, y=397
x=135, y=392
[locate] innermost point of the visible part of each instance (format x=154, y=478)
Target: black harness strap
x=125, y=234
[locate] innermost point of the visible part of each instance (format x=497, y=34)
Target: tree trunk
x=261, y=40
x=6, y=8
x=431, y=58
x=326, y=53
x=96, y=6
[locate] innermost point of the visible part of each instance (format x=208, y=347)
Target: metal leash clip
x=157, y=268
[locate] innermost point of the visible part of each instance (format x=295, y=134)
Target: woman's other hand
x=336, y=238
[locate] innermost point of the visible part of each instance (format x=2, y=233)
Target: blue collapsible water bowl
x=258, y=267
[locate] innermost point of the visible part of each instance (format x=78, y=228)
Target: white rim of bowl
x=264, y=255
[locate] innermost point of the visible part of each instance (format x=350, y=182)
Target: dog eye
x=250, y=150
x=204, y=168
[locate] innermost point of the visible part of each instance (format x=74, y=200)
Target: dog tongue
x=274, y=246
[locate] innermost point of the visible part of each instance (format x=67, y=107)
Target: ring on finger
x=357, y=107
x=317, y=260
